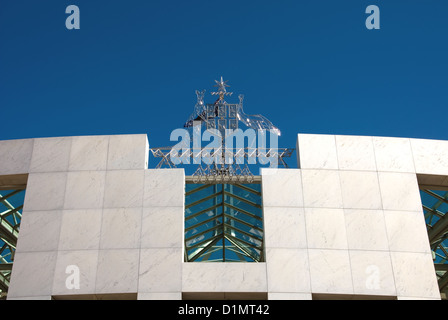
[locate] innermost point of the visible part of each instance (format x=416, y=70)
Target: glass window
x=223, y=223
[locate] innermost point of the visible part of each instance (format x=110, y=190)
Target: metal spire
x=222, y=89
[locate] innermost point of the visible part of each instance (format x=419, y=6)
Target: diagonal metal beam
x=206, y=255
x=250, y=235
x=202, y=200
x=243, y=222
x=443, y=282
x=246, y=252
x=244, y=212
x=433, y=211
x=205, y=186
x=441, y=266
x=439, y=229
x=242, y=199
x=5, y=266
x=9, y=195
x=435, y=195
x=241, y=241
x=4, y=281
x=218, y=227
x=200, y=251
x=215, y=217
x=191, y=216
x=246, y=188
x=7, y=233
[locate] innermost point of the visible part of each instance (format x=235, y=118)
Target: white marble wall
x=83, y=207
x=365, y=227
x=347, y=222
x=287, y=262
x=162, y=238
x=223, y=277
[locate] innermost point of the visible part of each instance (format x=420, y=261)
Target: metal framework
x=11, y=203
x=223, y=205
x=209, y=173
x=220, y=119
x=223, y=223
x=223, y=115
x=435, y=207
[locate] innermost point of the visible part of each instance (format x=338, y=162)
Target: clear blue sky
x=309, y=66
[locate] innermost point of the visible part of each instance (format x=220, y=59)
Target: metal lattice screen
x=435, y=207
x=223, y=223
x=11, y=204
